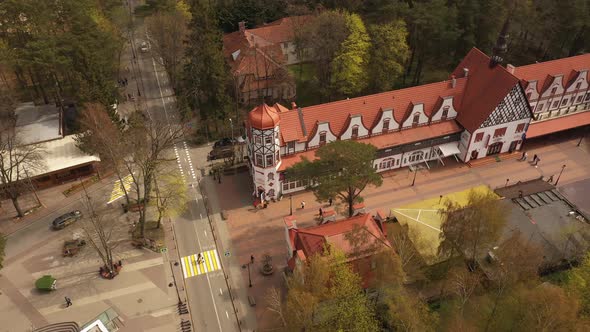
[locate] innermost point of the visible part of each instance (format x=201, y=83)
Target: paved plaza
x=261, y=231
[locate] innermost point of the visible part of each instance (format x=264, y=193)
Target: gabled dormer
x=578, y=81
x=444, y=110
x=321, y=134
x=415, y=116
x=384, y=123
x=553, y=86
x=531, y=92
x=354, y=128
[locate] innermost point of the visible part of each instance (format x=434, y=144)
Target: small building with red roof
x=257, y=58
x=359, y=238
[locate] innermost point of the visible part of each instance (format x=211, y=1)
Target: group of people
x=535, y=160
x=123, y=82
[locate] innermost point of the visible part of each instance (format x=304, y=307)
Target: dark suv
x=66, y=219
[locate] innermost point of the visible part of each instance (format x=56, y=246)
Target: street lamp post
x=559, y=176
x=290, y=205
x=506, y=185
x=414, y=179
x=247, y=265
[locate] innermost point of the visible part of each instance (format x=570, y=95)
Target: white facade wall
x=488, y=137
x=355, y=120
x=451, y=113
x=322, y=127
x=464, y=144
x=266, y=177
x=417, y=109
x=386, y=114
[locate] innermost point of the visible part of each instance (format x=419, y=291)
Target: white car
x=144, y=47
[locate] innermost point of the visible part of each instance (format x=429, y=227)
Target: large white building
x=483, y=109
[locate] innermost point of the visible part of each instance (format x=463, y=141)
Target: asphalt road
x=208, y=296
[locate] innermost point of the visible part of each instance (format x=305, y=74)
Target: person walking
x=535, y=157
x=251, y=259
x=550, y=180
x=302, y=205
x=537, y=161
x=321, y=212
x=68, y=301
x=330, y=201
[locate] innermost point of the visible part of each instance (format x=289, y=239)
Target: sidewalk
x=261, y=232
x=52, y=200
x=232, y=264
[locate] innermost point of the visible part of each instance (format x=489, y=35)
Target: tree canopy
x=342, y=171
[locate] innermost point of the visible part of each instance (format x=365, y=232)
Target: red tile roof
x=264, y=116
x=401, y=137
x=559, y=124
x=369, y=107
x=486, y=88
x=543, y=71
x=282, y=30
x=312, y=240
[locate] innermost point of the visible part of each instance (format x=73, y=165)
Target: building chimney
x=510, y=68
x=293, y=105
x=453, y=81
x=465, y=72
x=242, y=26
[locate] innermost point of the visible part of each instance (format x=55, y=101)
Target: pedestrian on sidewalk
x=321, y=212
x=524, y=157
x=68, y=301
x=302, y=205
x=535, y=157
x=330, y=201
x=126, y=82
x=550, y=180
x=251, y=259
x=537, y=161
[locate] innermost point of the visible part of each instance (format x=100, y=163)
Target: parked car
x=224, y=142
x=144, y=47
x=220, y=153
x=66, y=219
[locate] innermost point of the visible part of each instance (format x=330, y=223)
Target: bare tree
x=407, y=244
x=148, y=141
x=463, y=285
x=274, y=299
x=101, y=136
x=16, y=159
x=100, y=233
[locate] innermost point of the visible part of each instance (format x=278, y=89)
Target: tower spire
x=501, y=46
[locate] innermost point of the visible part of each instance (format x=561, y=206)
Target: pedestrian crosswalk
x=118, y=188
x=191, y=267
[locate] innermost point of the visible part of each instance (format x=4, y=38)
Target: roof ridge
x=556, y=60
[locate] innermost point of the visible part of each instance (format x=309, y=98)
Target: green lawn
x=424, y=219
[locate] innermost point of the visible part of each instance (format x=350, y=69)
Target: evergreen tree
x=206, y=80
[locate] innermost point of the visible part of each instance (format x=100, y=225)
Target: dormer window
x=385, y=126
x=578, y=85
x=445, y=113
x=528, y=95
x=416, y=120
x=553, y=91
x=355, y=131
x=323, y=138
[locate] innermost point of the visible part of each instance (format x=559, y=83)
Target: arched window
x=416, y=156
x=355, y=131
x=445, y=113
x=385, y=126
x=322, y=138
x=271, y=176
x=416, y=120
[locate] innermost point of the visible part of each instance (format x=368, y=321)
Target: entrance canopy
x=449, y=149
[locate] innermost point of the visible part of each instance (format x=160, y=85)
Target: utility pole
x=559, y=176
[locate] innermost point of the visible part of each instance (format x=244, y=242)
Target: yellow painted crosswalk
x=118, y=188
x=191, y=267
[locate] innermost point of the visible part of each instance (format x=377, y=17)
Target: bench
x=251, y=301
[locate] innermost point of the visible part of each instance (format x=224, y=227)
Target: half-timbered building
x=483, y=109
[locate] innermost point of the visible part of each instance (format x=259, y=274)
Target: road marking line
x=209, y=262
x=226, y=314
x=220, y=292
x=205, y=233
x=183, y=267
